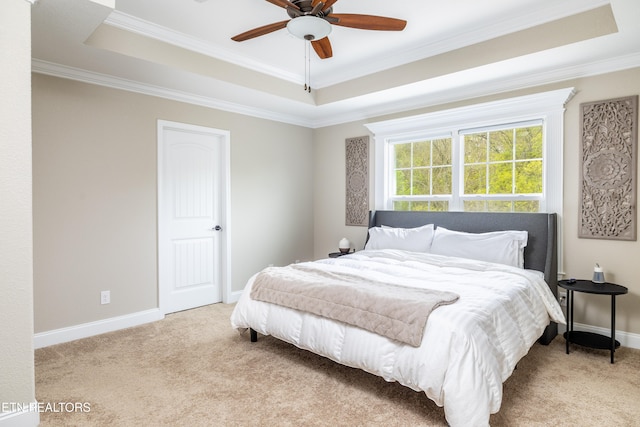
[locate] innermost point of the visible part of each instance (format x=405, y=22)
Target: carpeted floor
x=192, y=369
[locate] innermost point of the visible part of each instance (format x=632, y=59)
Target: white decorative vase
x=344, y=245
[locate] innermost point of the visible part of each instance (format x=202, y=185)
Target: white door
x=192, y=215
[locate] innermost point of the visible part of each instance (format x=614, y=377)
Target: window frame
x=546, y=106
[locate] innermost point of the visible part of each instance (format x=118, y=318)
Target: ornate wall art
x=357, y=184
x=609, y=143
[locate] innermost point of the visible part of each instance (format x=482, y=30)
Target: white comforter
x=469, y=348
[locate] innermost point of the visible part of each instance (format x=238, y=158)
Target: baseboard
x=71, y=333
x=626, y=339
x=234, y=297
x=22, y=418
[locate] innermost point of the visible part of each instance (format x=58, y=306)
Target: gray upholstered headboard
x=540, y=253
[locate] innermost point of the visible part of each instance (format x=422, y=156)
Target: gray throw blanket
x=396, y=312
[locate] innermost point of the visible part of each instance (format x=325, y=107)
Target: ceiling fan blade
x=322, y=48
x=283, y=3
x=368, y=22
x=260, y=31
x=328, y=4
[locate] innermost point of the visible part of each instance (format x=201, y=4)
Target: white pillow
x=409, y=239
x=502, y=247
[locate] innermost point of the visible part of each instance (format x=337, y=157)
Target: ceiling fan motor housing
x=305, y=9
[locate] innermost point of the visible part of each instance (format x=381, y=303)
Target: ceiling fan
x=311, y=20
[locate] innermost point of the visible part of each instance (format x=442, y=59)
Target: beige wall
x=619, y=259
x=16, y=246
x=94, y=183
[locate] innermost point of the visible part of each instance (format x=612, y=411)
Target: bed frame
x=540, y=253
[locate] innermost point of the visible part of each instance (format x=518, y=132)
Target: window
x=498, y=156
x=502, y=168
x=422, y=175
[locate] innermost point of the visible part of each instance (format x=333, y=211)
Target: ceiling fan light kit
x=309, y=27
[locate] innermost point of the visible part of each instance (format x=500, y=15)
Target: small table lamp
x=344, y=245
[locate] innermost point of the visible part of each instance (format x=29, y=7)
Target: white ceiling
x=449, y=50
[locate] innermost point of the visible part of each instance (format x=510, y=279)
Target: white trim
x=546, y=105
x=234, y=297
x=410, y=103
x=77, y=74
x=84, y=330
x=22, y=418
x=149, y=29
x=225, y=220
x=626, y=339
x=450, y=41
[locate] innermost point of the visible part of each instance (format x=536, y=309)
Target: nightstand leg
x=613, y=326
x=569, y=318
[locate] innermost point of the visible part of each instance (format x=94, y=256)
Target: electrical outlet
x=105, y=297
x=562, y=298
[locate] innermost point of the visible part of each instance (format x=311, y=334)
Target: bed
x=484, y=314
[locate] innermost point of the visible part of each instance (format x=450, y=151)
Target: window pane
x=439, y=206
x=529, y=177
x=527, y=206
x=401, y=206
x=475, y=206
x=441, y=180
x=421, y=154
x=475, y=179
x=421, y=182
x=500, y=178
x=499, y=206
x=501, y=145
x=403, y=182
x=442, y=152
x=419, y=206
x=402, y=155
x=404, y=205
x=475, y=148
x=529, y=143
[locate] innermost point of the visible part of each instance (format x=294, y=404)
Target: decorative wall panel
x=357, y=184
x=609, y=142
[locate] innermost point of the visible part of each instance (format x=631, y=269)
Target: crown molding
x=457, y=40
x=71, y=73
x=148, y=29
x=486, y=89
x=357, y=114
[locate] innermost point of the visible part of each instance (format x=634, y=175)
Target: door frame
x=225, y=221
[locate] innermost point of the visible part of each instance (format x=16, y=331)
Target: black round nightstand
x=591, y=339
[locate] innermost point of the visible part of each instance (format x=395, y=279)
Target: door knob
x=217, y=228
